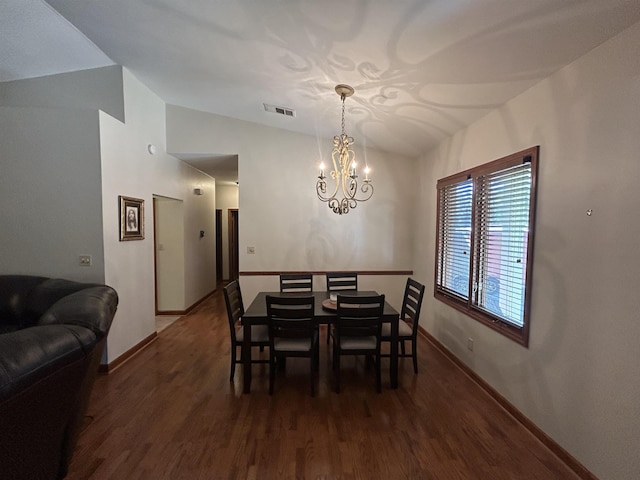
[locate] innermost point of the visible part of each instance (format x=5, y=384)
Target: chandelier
x=345, y=191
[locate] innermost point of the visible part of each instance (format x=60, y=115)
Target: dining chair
x=293, y=332
x=340, y=282
x=408, y=324
x=235, y=310
x=296, y=282
x=357, y=331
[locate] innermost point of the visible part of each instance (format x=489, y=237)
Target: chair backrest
x=235, y=307
x=412, y=302
x=337, y=281
x=359, y=316
x=296, y=282
x=291, y=317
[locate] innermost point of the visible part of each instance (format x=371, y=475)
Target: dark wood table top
x=256, y=313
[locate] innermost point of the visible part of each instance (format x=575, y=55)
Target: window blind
x=456, y=201
x=501, y=239
x=485, y=230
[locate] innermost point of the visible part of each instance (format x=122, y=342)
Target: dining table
x=325, y=313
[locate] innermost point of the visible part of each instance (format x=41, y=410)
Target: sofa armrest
x=31, y=354
x=92, y=308
x=42, y=371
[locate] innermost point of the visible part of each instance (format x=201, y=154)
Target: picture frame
x=131, y=218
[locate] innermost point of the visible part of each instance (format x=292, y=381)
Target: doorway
x=233, y=244
x=168, y=226
x=218, y=245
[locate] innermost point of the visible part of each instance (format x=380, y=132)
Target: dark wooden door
x=233, y=244
x=218, y=245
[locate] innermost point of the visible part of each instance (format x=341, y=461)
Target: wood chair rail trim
x=358, y=272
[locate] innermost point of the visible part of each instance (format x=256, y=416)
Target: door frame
x=234, y=248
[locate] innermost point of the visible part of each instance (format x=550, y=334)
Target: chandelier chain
x=343, y=97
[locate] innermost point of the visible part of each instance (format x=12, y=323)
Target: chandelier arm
x=321, y=190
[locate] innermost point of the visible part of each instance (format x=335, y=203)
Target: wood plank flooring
x=171, y=413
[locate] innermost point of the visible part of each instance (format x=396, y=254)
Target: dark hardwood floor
x=171, y=413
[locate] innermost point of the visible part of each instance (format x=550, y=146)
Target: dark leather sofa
x=52, y=334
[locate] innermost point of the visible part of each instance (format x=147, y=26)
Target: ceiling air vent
x=287, y=112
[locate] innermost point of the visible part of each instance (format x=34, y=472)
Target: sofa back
x=25, y=298
x=14, y=293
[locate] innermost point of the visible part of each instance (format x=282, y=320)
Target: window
x=484, y=242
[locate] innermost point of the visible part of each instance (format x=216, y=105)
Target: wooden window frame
x=519, y=334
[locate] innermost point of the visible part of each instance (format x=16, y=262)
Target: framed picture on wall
x=131, y=218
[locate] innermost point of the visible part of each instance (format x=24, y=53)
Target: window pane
x=454, y=240
x=501, y=240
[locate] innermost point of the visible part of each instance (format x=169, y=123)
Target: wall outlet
x=84, y=260
x=470, y=344
x=251, y=250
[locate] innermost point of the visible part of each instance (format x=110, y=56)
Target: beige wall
x=129, y=169
x=578, y=380
x=280, y=214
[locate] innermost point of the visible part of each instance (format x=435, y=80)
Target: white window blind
x=501, y=239
x=456, y=201
x=484, y=238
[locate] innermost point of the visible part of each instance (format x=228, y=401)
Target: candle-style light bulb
x=322, y=169
x=366, y=172
x=353, y=168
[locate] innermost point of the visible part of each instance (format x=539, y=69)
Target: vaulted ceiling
x=421, y=69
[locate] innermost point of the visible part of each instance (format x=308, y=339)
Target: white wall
x=50, y=172
x=128, y=169
x=226, y=198
x=93, y=89
x=51, y=218
x=578, y=380
x=280, y=214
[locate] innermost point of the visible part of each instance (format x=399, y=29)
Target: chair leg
x=404, y=352
x=328, y=333
x=378, y=375
x=281, y=362
x=312, y=374
x=336, y=367
x=272, y=373
x=414, y=354
x=233, y=363
x=367, y=362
